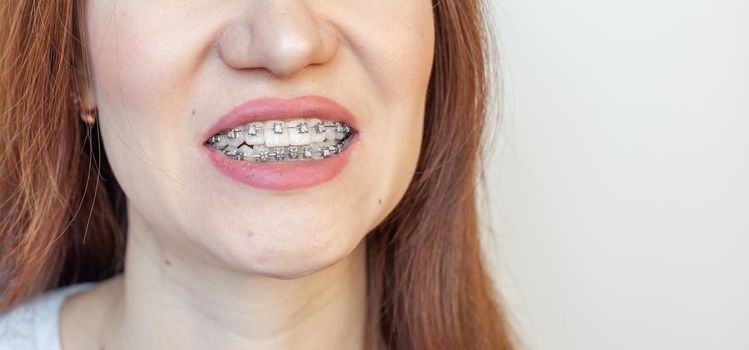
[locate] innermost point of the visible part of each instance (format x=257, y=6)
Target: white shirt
x=35, y=324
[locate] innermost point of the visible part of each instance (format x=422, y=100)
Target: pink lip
x=283, y=175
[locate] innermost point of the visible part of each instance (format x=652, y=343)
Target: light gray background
x=619, y=184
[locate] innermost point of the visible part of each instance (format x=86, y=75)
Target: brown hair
x=62, y=214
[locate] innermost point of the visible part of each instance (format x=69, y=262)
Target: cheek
x=143, y=77
x=141, y=67
x=139, y=86
x=400, y=50
x=395, y=42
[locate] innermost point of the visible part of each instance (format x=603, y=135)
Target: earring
x=87, y=115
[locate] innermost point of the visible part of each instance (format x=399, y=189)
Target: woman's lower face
x=268, y=136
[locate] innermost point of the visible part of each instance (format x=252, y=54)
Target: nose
x=281, y=36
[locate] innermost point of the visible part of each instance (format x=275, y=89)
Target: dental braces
x=278, y=128
x=279, y=154
x=264, y=154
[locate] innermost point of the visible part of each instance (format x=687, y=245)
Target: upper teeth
x=271, y=135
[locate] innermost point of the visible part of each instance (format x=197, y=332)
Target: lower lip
x=282, y=176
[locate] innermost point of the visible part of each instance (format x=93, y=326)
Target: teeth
x=235, y=137
x=218, y=141
x=329, y=142
x=263, y=154
x=278, y=127
x=307, y=152
x=303, y=128
x=316, y=151
x=325, y=152
x=299, y=132
x=340, y=131
x=279, y=153
x=232, y=152
x=282, y=141
x=247, y=152
x=293, y=152
x=317, y=131
x=254, y=134
x=276, y=133
x=329, y=135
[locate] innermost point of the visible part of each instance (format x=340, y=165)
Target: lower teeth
x=263, y=154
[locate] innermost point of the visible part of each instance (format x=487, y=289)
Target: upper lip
x=269, y=108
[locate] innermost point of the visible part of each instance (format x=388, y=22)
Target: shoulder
x=16, y=327
x=35, y=323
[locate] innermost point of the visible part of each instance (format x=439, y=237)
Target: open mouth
x=303, y=139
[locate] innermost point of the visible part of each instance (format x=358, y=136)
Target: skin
x=212, y=263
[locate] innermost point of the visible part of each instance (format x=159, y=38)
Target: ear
x=83, y=83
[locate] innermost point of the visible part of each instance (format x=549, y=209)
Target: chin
x=288, y=258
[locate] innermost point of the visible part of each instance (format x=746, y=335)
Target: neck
x=172, y=302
